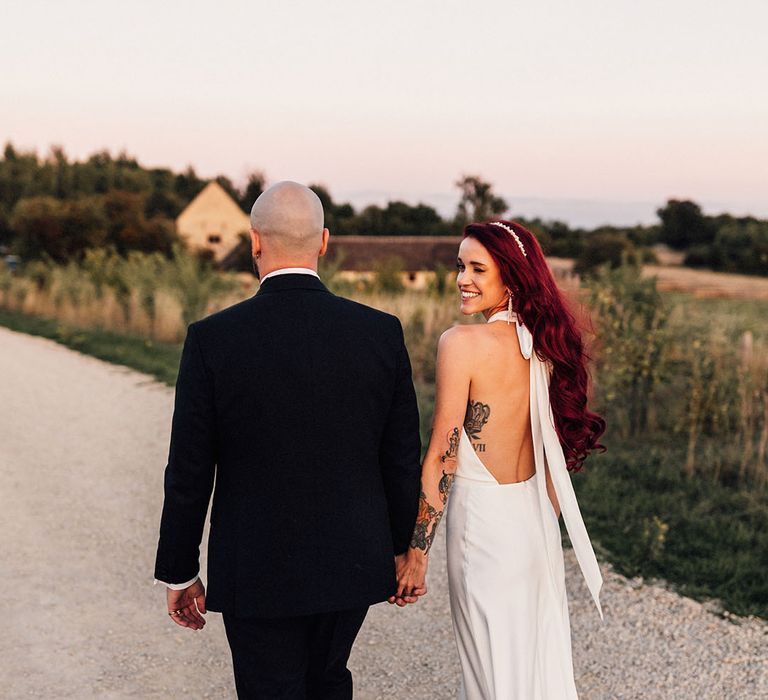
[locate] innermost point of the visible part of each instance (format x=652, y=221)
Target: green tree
x=36, y=221
x=401, y=219
x=19, y=177
x=540, y=229
x=128, y=229
x=125, y=213
x=254, y=186
x=158, y=234
x=163, y=199
x=61, y=173
x=605, y=248
x=340, y=219
x=478, y=202
x=6, y=233
x=740, y=245
x=102, y=171
x=61, y=230
x=684, y=225
x=187, y=185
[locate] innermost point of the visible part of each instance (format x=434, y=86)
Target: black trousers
x=293, y=658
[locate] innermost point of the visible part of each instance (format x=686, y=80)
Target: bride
x=511, y=420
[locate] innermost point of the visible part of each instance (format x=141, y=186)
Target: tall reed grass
x=665, y=369
x=146, y=295
x=663, y=376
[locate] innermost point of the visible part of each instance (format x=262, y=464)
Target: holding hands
x=411, y=571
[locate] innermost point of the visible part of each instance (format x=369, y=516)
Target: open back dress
x=506, y=574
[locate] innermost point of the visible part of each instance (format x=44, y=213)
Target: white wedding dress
x=506, y=576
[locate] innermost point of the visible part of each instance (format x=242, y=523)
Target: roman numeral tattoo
x=476, y=417
x=429, y=517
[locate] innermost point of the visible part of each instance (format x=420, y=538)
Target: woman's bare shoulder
x=462, y=332
x=460, y=335
x=469, y=333
x=459, y=342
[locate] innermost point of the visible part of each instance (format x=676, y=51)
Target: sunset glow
x=611, y=106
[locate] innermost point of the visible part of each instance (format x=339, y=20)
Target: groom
x=300, y=405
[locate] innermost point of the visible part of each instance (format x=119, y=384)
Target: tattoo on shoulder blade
x=476, y=417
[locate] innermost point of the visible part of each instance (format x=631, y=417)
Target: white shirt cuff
x=178, y=586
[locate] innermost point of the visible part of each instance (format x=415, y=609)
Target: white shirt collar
x=290, y=271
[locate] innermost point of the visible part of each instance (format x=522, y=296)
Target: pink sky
x=604, y=107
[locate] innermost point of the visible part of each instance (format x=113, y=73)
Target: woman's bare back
x=498, y=418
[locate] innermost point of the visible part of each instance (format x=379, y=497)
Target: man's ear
x=324, y=246
x=255, y=243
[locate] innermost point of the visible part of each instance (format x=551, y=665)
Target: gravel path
x=82, y=450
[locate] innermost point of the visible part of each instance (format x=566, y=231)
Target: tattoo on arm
x=444, y=487
x=426, y=524
x=476, y=417
x=429, y=517
x=453, y=446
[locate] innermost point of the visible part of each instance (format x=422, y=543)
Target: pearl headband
x=514, y=235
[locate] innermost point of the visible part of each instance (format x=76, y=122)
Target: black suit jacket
x=301, y=405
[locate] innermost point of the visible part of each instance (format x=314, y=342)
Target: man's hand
x=401, y=599
x=190, y=602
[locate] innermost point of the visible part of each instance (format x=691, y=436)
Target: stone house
x=213, y=221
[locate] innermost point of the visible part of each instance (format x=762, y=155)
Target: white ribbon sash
x=548, y=451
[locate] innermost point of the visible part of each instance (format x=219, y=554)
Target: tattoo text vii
x=476, y=417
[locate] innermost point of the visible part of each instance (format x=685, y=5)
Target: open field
x=83, y=445
x=699, y=283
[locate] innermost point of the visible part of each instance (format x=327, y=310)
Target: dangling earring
x=509, y=307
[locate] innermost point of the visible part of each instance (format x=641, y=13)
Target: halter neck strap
x=548, y=456
x=524, y=336
x=502, y=316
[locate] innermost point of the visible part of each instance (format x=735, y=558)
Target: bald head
x=289, y=219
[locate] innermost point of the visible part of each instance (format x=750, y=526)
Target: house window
x=214, y=238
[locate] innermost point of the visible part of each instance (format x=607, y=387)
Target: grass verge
x=650, y=520
x=160, y=360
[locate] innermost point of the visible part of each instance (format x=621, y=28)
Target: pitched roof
x=213, y=198
x=414, y=252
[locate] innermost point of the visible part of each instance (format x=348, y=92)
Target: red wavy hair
x=540, y=305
